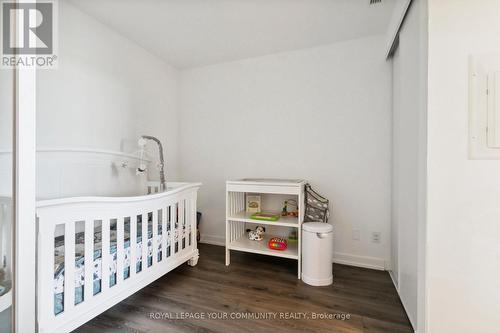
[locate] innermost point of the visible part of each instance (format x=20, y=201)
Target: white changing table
x=238, y=220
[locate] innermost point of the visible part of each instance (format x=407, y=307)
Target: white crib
x=94, y=252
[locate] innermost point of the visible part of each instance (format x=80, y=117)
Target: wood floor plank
x=256, y=285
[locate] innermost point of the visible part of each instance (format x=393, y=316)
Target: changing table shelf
x=260, y=247
x=238, y=220
x=284, y=221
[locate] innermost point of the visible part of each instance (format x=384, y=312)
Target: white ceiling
x=190, y=33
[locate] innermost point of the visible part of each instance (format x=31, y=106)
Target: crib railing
x=94, y=252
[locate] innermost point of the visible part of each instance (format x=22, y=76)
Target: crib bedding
x=97, y=270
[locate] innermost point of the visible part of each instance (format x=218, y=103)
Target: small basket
x=316, y=209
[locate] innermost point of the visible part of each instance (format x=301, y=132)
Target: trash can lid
x=317, y=227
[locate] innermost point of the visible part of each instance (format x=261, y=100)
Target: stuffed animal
x=257, y=234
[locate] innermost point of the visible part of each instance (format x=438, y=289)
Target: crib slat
x=171, y=225
x=88, y=289
x=182, y=221
x=144, y=241
x=187, y=223
x=120, y=249
x=164, y=233
x=46, y=272
x=173, y=220
x=155, y=237
x=133, y=245
x=194, y=220
x=106, y=258
x=69, y=265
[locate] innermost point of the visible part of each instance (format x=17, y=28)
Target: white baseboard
x=213, y=240
x=338, y=258
x=394, y=280
x=359, y=261
x=396, y=286
x=410, y=317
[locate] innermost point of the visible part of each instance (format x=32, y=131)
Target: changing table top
x=268, y=181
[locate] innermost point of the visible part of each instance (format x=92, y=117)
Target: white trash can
x=317, y=252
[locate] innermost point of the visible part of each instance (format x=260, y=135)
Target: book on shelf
x=253, y=203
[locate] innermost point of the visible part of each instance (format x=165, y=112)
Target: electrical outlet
x=376, y=237
x=355, y=234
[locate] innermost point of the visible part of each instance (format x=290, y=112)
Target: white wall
x=409, y=158
x=106, y=92
x=322, y=114
x=464, y=195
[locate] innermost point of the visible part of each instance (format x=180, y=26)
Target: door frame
x=24, y=198
x=24, y=299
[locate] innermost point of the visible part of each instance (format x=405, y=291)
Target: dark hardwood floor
x=256, y=285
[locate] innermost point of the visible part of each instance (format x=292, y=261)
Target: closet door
x=409, y=168
x=6, y=196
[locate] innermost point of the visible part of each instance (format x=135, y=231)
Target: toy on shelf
x=277, y=243
x=293, y=237
x=287, y=204
x=265, y=216
x=257, y=234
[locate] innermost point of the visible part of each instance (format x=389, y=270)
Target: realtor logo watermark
x=29, y=34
